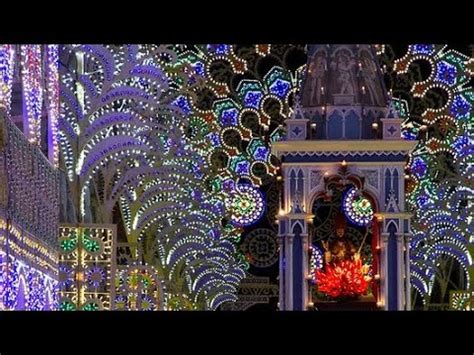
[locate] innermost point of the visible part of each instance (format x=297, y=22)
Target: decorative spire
x=340, y=74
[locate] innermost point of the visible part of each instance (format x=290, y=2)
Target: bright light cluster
x=52, y=92
x=315, y=261
x=246, y=204
x=25, y=288
x=7, y=64
x=32, y=79
x=137, y=288
x=27, y=270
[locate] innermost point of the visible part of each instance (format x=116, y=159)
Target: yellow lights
x=326, y=173
x=80, y=276
x=313, y=125
x=377, y=277
x=379, y=218
x=279, y=178
x=344, y=163
x=310, y=304
x=380, y=304
x=375, y=125
x=281, y=212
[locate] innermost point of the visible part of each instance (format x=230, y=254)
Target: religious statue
x=317, y=69
x=340, y=248
x=343, y=276
x=343, y=66
x=369, y=77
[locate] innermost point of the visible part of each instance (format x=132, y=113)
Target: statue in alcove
x=343, y=65
x=345, y=274
x=341, y=247
x=317, y=69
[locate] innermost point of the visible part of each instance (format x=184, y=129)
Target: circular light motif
x=261, y=247
x=357, y=208
x=246, y=205
x=65, y=275
x=147, y=303
x=67, y=305
x=68, y=243
x=95, y=276
x=92, y=305
x=121, y=303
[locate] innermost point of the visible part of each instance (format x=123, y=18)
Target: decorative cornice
x=349, y=147
x=388, y=215
x=293, y=216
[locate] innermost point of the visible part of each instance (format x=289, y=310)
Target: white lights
x=32, y=78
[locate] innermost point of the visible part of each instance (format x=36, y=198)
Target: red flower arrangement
x=344, y=279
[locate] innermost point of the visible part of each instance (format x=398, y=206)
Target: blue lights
x=419, y=167
x=460, y=108
x=446, y=73
x=422, y=48
x=280, y=88
x=252, y=99
x=183, y=103
x=229, y=117
x=219, y=49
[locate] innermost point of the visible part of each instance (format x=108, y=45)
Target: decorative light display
x=439, y=193
x=33, y=187
x=315, y=261
x=87, y=267
x=460, y=300
x=126, y=122
x=7, y=56
x=32, y=79
x=235, y=115
x=52, y=91
x=260, y=247
x=357, y=208
x=246, y=204
x=137, y=288
x=28, y=224
x=27, y=277
x=343, y=280
x=95, y=276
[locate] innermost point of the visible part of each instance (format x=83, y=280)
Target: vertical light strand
x=52, y=85
x=31, y=74
x=7, y=56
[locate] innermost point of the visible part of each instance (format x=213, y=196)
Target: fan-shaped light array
x=441, y=205
x=123, y=138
